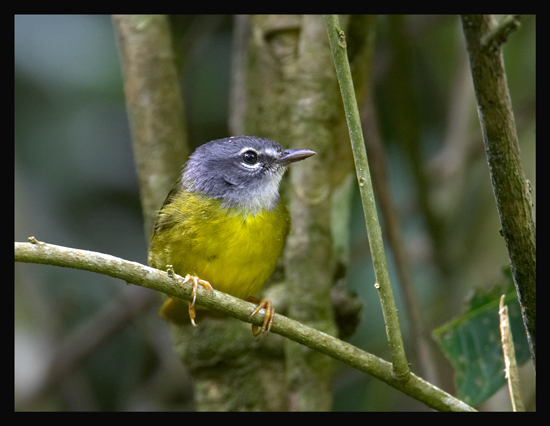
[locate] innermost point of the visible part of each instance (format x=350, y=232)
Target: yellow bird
x=224, y=225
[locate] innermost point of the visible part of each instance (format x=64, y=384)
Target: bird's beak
x=292, y=155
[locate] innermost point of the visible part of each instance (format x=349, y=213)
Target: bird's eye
x=250, y=157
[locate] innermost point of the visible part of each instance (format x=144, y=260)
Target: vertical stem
x=291, y=93
x=511, y=190
x=338, y=46
x=308, y=256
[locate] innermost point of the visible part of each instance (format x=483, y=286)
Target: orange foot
x=268, y=316
x=196, y=282
x=170, y=309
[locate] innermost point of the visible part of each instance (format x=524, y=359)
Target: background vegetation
x=75, y=185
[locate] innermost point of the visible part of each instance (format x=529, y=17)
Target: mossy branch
x=511, y=189
x=144, y=276
x=154, y=105
x=339, y=53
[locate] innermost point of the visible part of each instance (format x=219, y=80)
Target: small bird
x=224, y=225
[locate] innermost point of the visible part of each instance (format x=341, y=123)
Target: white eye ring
x=253, y=156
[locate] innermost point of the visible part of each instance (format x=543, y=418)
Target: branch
x=154, y=104
x=135, y=273
x=510, y=187
x=309, y=257
x=511, y=367
x=338, y=47
x=499, y=34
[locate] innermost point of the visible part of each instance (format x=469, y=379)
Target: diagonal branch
x=144, y=276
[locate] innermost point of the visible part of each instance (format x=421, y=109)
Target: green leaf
x=472, y=344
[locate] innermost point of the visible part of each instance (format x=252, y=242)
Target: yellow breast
x=232, y=250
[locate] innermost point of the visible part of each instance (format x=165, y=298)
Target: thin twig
x=510, y=365
x=499, y=34
x=338, y=47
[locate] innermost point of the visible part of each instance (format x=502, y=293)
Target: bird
x=224, y=224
